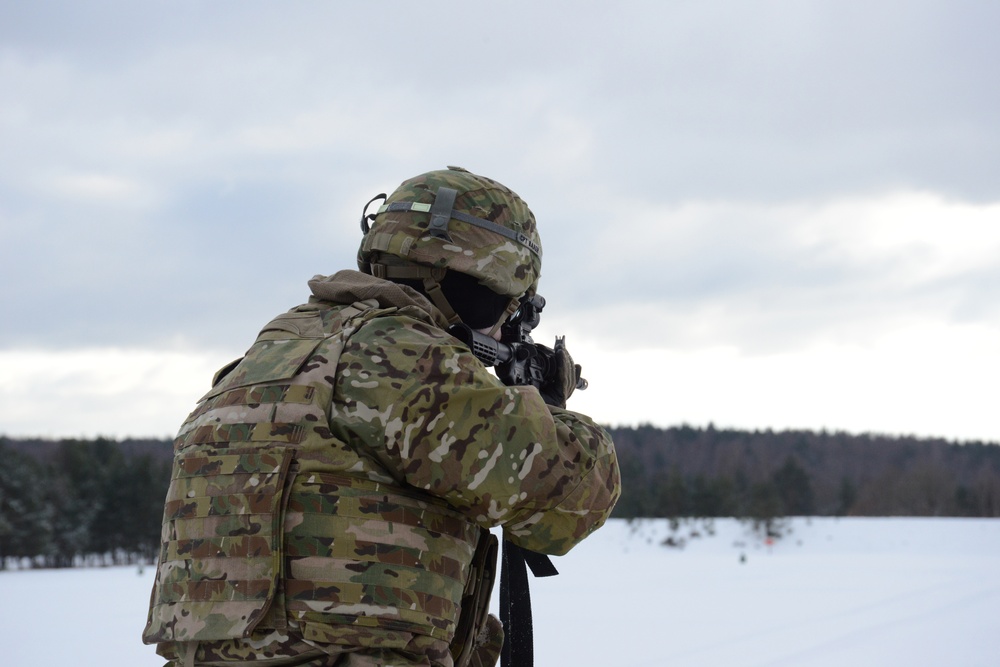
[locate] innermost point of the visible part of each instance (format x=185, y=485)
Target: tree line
x=78, y=502
x=707, y=472
x=99, y=501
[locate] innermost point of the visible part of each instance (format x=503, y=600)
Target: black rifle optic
x=518, y=359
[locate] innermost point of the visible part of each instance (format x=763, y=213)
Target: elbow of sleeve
x=582, y=511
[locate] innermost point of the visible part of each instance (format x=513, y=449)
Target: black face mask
x=477, y=305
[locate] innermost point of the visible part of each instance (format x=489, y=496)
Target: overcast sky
x=757, y=214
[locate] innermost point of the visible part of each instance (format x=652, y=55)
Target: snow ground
x=882, y=592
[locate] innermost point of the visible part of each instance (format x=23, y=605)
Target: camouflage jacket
x=340, y=475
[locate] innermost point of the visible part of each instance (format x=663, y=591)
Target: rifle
x=518, y=359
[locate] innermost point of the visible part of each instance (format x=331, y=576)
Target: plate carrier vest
x=269, y=517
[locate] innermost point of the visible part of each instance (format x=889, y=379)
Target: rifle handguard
x=518, y=359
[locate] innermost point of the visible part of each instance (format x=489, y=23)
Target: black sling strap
x=515, y=602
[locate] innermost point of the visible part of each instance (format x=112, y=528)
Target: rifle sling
x=515, y=602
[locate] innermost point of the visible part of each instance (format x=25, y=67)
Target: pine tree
x=795, y=489
x=25, y=517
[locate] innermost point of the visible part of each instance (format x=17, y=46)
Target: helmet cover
x=489, y=232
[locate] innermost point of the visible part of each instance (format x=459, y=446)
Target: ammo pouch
x=472, y=624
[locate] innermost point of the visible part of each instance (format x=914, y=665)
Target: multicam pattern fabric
x=505, y=266
x=331, y=490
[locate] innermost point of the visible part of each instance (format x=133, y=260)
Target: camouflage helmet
x=452, y=219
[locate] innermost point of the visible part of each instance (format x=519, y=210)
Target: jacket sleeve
x=498, y=454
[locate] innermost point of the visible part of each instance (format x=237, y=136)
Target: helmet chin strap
x=511, y=309
x=390, y=267
x=433, y=289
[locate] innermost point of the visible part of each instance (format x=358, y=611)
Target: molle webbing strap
x=397, y=561
x=221, y=543
x=469, y=219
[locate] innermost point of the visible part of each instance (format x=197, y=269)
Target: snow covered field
x=881, y=592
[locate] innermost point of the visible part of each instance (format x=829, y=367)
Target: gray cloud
x=177, y=170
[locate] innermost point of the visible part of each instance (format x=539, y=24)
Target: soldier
x=332, y=493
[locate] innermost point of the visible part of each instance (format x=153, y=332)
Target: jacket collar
x=348, y=286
